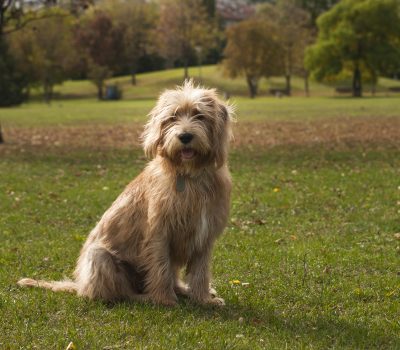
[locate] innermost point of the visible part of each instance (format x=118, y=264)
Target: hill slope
x=150, y=84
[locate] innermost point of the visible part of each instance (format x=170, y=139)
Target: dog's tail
x=55, y=286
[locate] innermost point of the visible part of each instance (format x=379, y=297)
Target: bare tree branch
x=30, y=20
x=5, y=4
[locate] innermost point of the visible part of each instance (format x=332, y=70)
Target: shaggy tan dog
x=168, y=217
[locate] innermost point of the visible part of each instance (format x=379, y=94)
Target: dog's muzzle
x=185, y=138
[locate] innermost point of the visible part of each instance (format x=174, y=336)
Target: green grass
x=150, y=84
x=319, y=254
x=86, y=111
x=138, y=101
x=312, y=230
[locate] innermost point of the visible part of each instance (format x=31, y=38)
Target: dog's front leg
x=159, y=277
x=198, y=277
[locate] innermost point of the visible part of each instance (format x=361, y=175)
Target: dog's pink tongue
x=187, y=153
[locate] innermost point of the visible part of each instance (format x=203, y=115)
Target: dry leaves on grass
x=337, y=132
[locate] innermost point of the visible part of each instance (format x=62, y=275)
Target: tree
x=13, y=18
x=253, y=51
x=42, y=50
x=210, y=7
x=183, y=26
x=357, y=35
x=292, y=33
x=138, y=18
x=100, y=42
x=14, y=15
x=315, y=8
x=13, y=83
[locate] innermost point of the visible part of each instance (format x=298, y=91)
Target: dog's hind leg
x=100, y=275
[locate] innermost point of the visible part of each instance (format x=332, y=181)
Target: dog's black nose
x=185, y=138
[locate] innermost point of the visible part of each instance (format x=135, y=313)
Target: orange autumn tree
x=252, y=51
x=183, y=26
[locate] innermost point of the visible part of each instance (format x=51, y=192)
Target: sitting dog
x=168, y=218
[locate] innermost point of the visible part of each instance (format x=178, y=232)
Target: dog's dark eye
x=172, y=118
x=200, y=117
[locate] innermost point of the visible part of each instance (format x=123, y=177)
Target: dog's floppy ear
x=226, y=113
x=151, y=135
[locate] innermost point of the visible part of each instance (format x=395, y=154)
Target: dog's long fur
x=155, y=228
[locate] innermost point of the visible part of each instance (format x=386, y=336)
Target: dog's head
x=190, y=126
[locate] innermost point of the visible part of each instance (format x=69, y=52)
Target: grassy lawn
x=150, y=84
x=87, y=111
x=310, y=258
x=312, y=234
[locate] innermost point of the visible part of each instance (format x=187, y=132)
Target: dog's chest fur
x=192, y=217
x=188, y=213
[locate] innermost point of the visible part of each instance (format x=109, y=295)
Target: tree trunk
x=2, y=15
x=48, y=92
x=186, y=69
x=288, y=68
x=373, y=89
x=374, y=83
x=306, y=84
x=288, y=85
x=133, y=74
x=357, y=87
x=1, y=136
x=100, y=91
x=252, y=83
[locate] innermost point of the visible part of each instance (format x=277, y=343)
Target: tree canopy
x=357, y=36
x=42, y=49
x=292, y=33
x=184, y=26
x=101, y=44
x=253, y=51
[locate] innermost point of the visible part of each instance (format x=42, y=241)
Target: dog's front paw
x=217, y=301
x=212, y=292
x=211, y=301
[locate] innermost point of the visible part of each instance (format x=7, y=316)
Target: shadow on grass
x=319, y=330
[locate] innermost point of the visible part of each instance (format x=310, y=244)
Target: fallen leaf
x=71, y=346
x=389, y=294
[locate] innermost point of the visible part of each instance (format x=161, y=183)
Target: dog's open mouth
x=187, y=153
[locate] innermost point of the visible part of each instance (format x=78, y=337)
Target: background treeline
x=43, y=43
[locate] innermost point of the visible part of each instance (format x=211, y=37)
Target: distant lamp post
x=199, y=52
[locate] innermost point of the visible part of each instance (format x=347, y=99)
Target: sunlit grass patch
x=313, y=264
